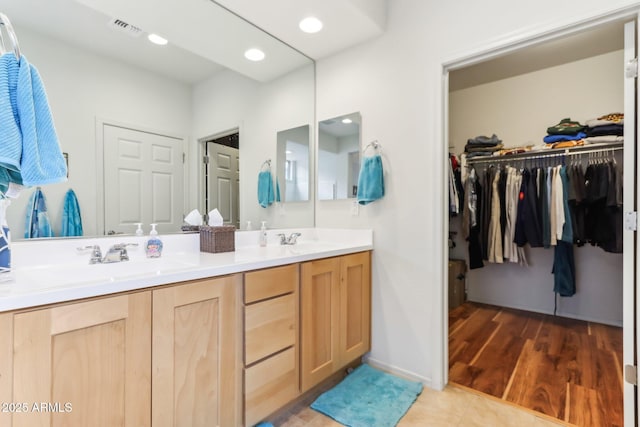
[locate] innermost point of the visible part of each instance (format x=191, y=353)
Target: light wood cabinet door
x=355, y=306
x=87, y=363
x=335, y=315
x=195, y=360
x=320, y=317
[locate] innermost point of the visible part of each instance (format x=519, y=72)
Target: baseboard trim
x=427, y=382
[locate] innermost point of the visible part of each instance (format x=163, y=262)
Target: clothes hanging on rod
x=542, y=203
x=456, y=190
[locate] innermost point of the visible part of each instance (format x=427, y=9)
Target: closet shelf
x=557, y=152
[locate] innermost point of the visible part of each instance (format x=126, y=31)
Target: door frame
x=100, y=193
x=481, y=54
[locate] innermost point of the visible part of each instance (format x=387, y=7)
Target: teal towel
x=42, y=161
x=10, y=134
x=368, y=397
x=265, y=188
x=370, y=180
x=37, y=223
x=71, y=218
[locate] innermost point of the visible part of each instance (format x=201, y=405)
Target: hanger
x=266, y=163
x=4, y=20
x=373, y=144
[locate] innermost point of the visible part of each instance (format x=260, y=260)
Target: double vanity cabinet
x=217, y=351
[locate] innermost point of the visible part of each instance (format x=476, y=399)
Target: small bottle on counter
x=249, y=227
x=263, y=234
x=153, y=248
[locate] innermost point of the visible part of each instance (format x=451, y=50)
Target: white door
x=629, y=238
x=143, y=180
x=224, y=182
x=630, y=327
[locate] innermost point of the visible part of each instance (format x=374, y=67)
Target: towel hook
x=373, y=144
x=4, y=20
x=266, y=163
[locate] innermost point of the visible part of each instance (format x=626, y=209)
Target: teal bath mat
x=368, y=397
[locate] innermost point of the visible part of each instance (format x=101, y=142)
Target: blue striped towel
x=37, y=223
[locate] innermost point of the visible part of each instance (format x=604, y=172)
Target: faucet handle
x=122, y=247
x=96, y=253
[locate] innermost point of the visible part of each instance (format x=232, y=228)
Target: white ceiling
x=346, y=22
x=203, y=36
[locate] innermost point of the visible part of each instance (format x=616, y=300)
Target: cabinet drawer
x=269, y=283
x=269, y=326
x=269, y=385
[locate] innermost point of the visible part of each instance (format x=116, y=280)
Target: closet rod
x=583, y=149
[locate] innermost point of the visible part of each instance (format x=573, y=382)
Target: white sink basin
x=48, y=276
x=303, y=248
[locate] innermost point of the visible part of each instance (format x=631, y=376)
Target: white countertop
x=51, y=271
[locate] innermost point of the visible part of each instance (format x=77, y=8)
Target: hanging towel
x=37, y=221
x=42, y=160
x=370, y=180
x=265, y=188
x=10, y=134
x=278, y=190
x=71, y=219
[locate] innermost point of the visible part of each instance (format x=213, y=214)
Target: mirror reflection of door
x=222, y=177
x=143, y=180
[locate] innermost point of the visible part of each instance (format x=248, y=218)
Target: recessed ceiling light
x=347, y=121
x=288, y=152
x=254, y=54
x=156, y=39
x=310, y=24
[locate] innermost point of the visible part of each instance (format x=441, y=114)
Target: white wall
x=259, y=111
x=395, y=81
x=518, y=110
x=82, y=87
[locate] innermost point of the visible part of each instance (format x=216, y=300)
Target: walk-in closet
x=535, y=292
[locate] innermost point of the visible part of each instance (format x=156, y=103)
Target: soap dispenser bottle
x=153, y=248
x=263, y=234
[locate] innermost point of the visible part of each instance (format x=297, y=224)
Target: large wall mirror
x=134, y=118
x=339, y=157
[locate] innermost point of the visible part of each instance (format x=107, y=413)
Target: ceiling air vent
x=124, y=27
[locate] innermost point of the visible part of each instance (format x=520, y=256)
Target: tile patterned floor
x=453, y=407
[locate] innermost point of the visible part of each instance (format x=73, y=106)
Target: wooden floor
x=565, y=368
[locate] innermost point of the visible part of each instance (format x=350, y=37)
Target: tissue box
x=217, y=239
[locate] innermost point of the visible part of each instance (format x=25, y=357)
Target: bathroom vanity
x=194, y=339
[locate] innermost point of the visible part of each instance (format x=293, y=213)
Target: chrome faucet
x=117, y=253
x=291, y=240
x=96, y=254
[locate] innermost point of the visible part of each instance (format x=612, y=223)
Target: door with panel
x=195, y=361
x=335, y=313
x=83, y=364
x=631, y=298
x=355, y=306
x=143, y=180
x=319, y=320
x=223, y=182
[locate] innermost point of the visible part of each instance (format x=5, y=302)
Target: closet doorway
x=509, y=334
